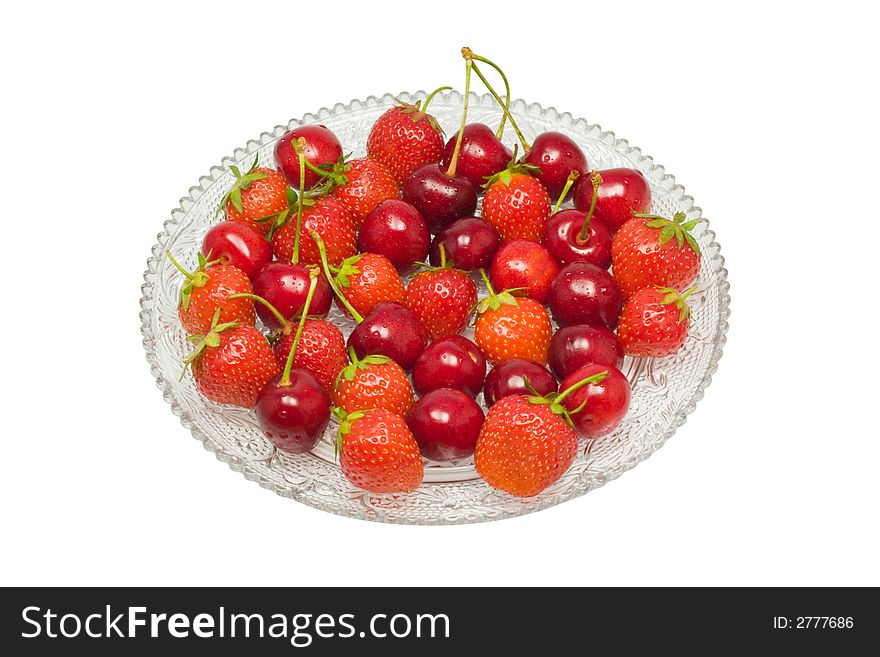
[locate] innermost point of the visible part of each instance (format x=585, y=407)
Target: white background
x=767, y=113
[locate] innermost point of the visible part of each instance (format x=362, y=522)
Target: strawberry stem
x=596, y=179
x=300, y=147
x=313, y=283
x=179, y=267
x=332, y=281
x=453, y=163
x=688, y=293
x=254, y=297
x=505, y=107
x=431, y=97
x=574, y=175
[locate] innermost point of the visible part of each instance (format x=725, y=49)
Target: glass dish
x=665, y=390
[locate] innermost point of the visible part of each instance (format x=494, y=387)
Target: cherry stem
x=313, y=283
x=453, y=163
x=596, y=378
x=332, y=281
x=486, y=281
x=574, y=175
x=431, y=97
x=596, y=179
x=505, y=106
x=300, y=147
x=179, y=267
x=254, y=297
x=442, y=257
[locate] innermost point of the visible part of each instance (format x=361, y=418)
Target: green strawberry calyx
x=677, y=227
x=671, y=296
x=242, y=182
x=554, y=400
x=419, y=112
x=505, y=176
x=331, y=279
x=210, y=339
x=345, y=422
x=346, y=270
x=356, y=364
x=495, y=300
x=197, y=278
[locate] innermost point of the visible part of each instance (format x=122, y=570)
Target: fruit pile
x=319, y=226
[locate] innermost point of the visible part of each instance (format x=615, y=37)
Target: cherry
x=286, y=286
x=293, y=409
x=446, y=424
x=482, y=154
x=392, y=330
x=440, y=197
x=599, y=406
x=321, y=147
x=470, y=243
x=396, y=230
x=509, y=378
x=620, y=193
x=582, y=293
x=556, y=155
x=450, y=362
x=526, y=265
x=573, y=236
x=574, y=346
x=239, y=244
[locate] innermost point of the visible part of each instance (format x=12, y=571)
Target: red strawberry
x=373, y=382
x=257, y=196
x=232, y=363
x=512, y=327
x=378, y=453
x=516, y=203
x=368, y=279
x=207, y=290
x=525, y=445
x=405, y=138
x=654, y=322
x=363, y=184
x=644, y=253
x=327, y=217
x=320, y=351
x=442, y=298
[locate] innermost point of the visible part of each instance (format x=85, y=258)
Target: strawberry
x=327, y=217
x=525, y=444
x=207, y=290
x=320, y=351
x=654, y=322
x=442, y=298
x=377, y=452
x=368, y=279
x=256, y=197
x=361, y=185
x=373, y=382
x=516, y=203
x=405, y=138
x=644, y=253
x=512, y=327
x=232, y=363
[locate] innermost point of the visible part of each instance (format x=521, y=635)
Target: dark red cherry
x=574, y=346
x=294, y=416
x=396, y=230
x=446, y=424
x=565, y=240
x=607, y=401
x=509, y=378
x=482, y=154
x=470, y=243
x=621, y=192
x=451, y=362
x=526, y=265
x=440, y=198
x=322, y=147
x=392, y=330
x=583, y=293
x=556, y=155
x=239, y=244
x=285, y=286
